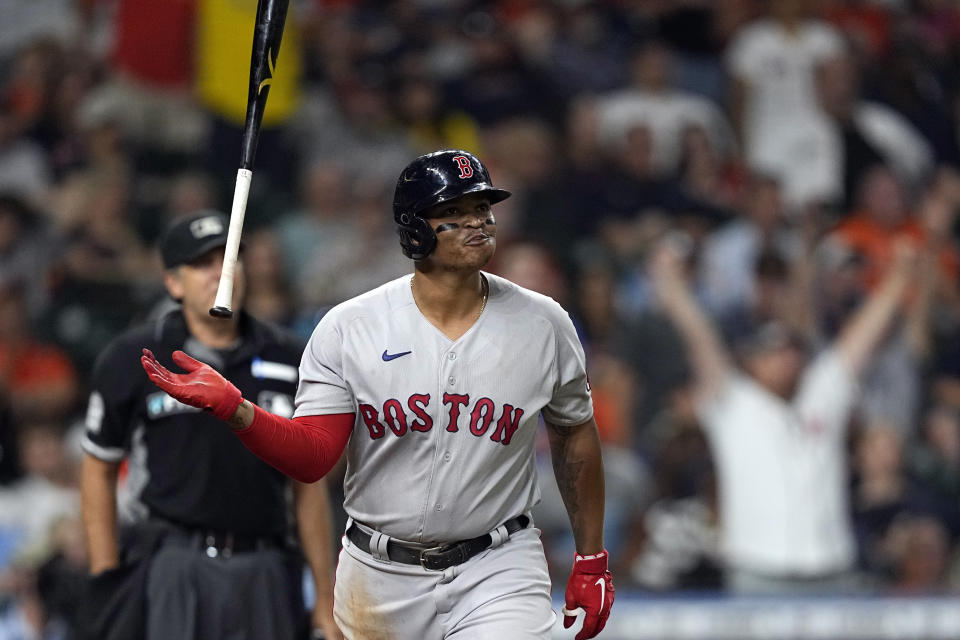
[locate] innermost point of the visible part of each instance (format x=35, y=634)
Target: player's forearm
x=304, y=448
x=315, y=524
x=98, y=495
x=578, y=467
x=242, y=418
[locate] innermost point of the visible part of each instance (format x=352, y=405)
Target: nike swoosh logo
x=603, y=590
x=387, y=357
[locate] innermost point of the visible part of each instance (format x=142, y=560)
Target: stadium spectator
x=859, y=134
x=708, y=174
x=935, y=459
x=150, y=88
x=728, y=262
x=884, y=496
x=777, y=431
x=47, y=492
x=653, y=101
x=27, y=22
x=883, y=214
x=37, y=377
x=25, y=169
x=24, y=257
x=919, y=550
x=772, y=62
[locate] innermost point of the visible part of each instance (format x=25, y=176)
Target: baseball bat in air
x=271, y=14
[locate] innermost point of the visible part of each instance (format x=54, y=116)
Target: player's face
x=466, y=232
x=195, y=283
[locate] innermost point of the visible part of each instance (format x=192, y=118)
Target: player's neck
x=452, y=301
x=216, y=333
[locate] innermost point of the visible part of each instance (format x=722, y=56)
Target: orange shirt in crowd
x=875, y=243
x=25, y=369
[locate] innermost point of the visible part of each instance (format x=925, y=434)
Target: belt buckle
x=213, y=549
x=210, y=544
x=432, y=552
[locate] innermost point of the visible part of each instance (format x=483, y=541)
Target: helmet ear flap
x=417, y=237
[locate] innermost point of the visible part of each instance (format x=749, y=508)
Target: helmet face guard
x=430, y=180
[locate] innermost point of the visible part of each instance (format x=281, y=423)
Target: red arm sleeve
x=304, y=448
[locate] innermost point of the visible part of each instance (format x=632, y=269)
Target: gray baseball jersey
x=442, y=448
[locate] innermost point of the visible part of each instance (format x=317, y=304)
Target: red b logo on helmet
x=463, y=162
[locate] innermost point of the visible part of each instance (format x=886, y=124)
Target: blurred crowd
x=791, y=153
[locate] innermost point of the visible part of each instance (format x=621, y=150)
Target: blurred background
x=786, y=145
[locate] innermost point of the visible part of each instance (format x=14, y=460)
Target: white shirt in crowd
x=898, y=142
x=778, y=68
x=782, y=473
x=667, y=114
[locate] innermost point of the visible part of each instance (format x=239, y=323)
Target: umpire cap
x=429, y=180
x=189, y=237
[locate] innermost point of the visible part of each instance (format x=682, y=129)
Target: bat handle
x=223, y=305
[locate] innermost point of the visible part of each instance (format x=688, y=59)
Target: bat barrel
x=267, y=34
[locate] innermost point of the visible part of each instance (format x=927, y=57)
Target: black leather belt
x=435, y=558
x=224, y=543
x=216, y=543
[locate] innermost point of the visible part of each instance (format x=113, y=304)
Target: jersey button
x=438, y=507
x=446, y=456
x=451, y=380
x=451, y=356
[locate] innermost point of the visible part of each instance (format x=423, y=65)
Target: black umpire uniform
x=223, y=566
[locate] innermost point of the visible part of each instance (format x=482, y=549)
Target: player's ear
x=173, y=281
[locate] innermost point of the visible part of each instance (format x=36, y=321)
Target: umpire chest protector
x=432, y=179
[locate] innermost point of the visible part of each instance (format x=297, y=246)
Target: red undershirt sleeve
x=304, y=448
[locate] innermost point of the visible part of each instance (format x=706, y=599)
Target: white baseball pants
x=503, y=592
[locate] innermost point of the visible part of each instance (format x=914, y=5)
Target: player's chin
x=478, y=255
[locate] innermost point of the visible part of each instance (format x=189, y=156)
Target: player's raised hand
x=589, y=589
x=201, y=386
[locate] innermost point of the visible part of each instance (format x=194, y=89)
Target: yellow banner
x=222, y=62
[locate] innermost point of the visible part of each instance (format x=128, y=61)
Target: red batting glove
x=200, y=387
x=590, y=588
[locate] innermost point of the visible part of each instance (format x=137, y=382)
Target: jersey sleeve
x=111, y=408
x=571, y=403
x=322, y=387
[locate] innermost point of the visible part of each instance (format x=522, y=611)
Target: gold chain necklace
x=483, y=303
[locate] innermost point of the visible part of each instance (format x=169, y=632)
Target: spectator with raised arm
x=776, y=425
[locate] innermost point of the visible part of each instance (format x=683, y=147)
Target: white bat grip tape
x=224, y=298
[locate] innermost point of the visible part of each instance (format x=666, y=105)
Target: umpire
x=210, y=552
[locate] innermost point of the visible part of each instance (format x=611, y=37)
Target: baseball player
x=435, y=384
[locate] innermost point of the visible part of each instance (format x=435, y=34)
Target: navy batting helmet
x=429, y=180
